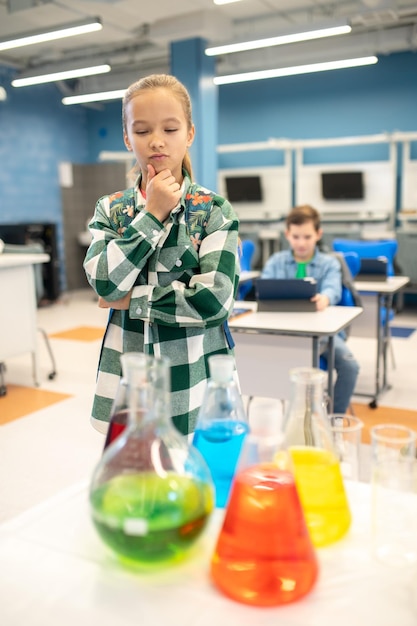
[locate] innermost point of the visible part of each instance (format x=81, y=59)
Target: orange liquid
x=264, y=554
x=322, y=493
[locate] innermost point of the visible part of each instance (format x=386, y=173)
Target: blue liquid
x=220, y=443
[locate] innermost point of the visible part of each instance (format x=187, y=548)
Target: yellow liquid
x=322, y=493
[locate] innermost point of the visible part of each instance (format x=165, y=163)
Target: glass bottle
x=316, y=466
x=264, y=555
x=221, y=425
x=151, y=493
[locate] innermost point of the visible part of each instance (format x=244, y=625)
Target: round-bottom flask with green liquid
x=152, y=492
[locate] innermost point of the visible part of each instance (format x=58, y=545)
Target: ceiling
x=136, y=33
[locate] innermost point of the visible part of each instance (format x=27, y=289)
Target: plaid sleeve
x=115, y=259
x=208, y=298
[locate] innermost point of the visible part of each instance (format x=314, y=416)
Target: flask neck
x=148, y=385
x=306, y=415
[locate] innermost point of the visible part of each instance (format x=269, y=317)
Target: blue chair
x=369, y=249
x=372, y=250
x=247, y=250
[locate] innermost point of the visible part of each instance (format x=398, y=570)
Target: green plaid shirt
x=183, y=290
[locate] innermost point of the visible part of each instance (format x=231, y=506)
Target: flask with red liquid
x=119, y=413
x=264, y=555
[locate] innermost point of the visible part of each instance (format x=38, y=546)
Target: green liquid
x=150, y=519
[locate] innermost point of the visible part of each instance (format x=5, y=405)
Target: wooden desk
x=56, y=571
x=375, y=295
x=268, y=345
x=18, y=326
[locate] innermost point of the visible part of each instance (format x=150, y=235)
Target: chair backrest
x=353, y=262
x=246, y=254
x=247, y=250
x=350, y=295
x=369, y=249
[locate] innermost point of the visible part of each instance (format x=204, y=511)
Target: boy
x=303, y=232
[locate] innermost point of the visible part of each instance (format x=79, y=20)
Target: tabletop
x=317, y=323
x=391, y=285
x=14, y=260
x=246, y=275
x=55, y=570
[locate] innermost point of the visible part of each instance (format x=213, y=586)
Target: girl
x=168, y=273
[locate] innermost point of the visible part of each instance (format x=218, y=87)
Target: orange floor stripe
x=384, y=415
x=20, y=401
x=81, y=333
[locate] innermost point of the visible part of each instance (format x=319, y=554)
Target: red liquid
x=264, y=554
x=117, y=425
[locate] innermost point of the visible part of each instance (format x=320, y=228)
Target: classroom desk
x=375, y=295
x=246, y=275
x=56, y=571
x=18, y=326
x=268, y=345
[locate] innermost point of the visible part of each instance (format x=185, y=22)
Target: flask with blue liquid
x=221, y=426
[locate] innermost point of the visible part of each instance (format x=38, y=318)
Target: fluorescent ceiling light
x=65, y=75
x=57, y=32
x=279, y=41
x=94, y=97
x=292, y=71
x=225, y=1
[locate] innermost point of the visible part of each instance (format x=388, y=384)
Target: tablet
x=285, y=294
x=373, y=269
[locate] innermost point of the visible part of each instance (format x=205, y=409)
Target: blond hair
x=164, y=81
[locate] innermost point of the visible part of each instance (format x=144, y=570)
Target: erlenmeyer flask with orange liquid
x=264, y=555
x=316, y=466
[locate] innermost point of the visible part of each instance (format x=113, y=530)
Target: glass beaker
x=221, y=425
x=316, y=465
x=151, y=493
x=264, y=555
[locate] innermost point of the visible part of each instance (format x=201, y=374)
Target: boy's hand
x=321, y=301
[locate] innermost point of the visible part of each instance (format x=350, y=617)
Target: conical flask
x=264, y=555
x=316, y=466
x=221, y=425
x=151, y=493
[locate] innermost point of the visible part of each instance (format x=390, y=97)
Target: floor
x=46, y=440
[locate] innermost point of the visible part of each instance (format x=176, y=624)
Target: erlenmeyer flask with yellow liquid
x=151, y=493
x=264, y=555
x=316, y=466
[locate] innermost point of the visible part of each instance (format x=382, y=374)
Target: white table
x=247, y=275
x=56, y=571
x=18, y=326
x=375, y=295
x=269, y=344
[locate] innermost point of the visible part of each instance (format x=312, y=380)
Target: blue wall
x=36, y=132
x=361, y=101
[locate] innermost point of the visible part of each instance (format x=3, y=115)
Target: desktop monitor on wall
x=243, y=188
x=342, y=185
